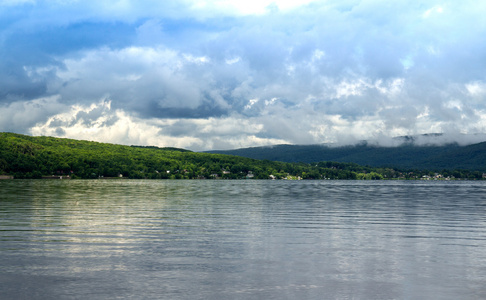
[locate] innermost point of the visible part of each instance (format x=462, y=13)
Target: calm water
x=141, y=239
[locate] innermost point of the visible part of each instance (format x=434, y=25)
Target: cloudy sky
x=222, y=74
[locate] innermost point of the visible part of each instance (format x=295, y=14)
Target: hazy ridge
x=407, y=155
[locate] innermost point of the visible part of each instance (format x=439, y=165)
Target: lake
x=218, y=239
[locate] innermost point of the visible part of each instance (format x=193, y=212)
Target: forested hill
x=23, y=156
x=407, y=156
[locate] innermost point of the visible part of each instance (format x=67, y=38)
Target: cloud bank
x=226, y=74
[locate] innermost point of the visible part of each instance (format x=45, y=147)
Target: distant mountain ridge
x=406, y=156
x=27, y=157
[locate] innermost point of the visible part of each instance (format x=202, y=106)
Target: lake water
x=141, y=239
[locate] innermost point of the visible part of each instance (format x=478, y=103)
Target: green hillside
x=24, y=156
x=407, y=156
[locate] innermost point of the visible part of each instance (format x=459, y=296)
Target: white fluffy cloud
x=100, y=122
x=226, y=74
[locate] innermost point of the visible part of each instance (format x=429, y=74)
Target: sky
x=225, y=74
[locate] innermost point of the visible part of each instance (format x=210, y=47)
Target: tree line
x=25, y=156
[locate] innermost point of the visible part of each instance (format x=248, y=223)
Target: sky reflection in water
x=242, y=239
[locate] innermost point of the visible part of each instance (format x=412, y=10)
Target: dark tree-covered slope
x=408, y=156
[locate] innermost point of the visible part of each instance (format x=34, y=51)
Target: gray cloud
x=333, y=70
x=20, y=116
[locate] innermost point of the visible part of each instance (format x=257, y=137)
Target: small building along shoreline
x=56, y=177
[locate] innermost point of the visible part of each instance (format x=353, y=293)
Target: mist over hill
x=410, y=153
x=27, y=157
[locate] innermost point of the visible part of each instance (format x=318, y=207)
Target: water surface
x=142, y=239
